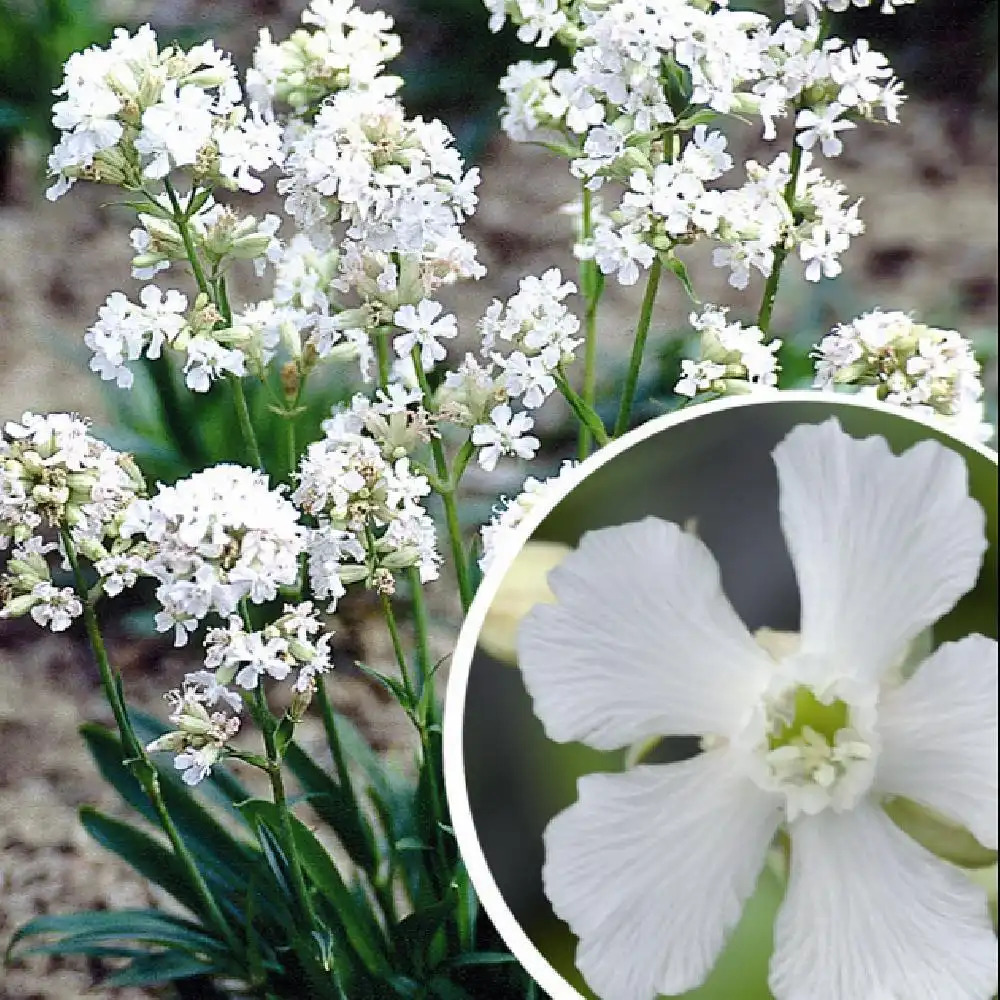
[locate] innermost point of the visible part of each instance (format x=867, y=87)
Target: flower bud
x=19, y=606
x=174, y=742
x=300, y=702
x=524, y=586
x=352, y=574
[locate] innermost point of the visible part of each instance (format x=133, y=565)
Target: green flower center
x=809, y=716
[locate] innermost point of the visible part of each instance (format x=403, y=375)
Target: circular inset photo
x=722, y=722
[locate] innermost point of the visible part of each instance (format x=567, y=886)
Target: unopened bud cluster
x=900, y=361
x=59, y=482
x=733, y=359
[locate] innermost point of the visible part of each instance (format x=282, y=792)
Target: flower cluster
x=643, y=79
x=132, y=113
x=815, y=7
x=54, y=475
x=540, y=331
x=897, y=360
x=218, y=537
x=732, y=358
x=366, y=499
x=536, y=331
x=538, y=21
x=347, y=49
x=200, y=738
x=294, y=641
x=397, y=184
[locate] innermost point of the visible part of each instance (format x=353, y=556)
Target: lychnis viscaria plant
x=248, y=568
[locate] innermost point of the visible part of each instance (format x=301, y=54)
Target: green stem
x=246, y=424
x=781, y=252
x=382, y=356
x=638, y=349
x=590, y=284
x=143, y=767
x=429, y=758
x=422, y=632
x=220, y=299
x=181, y=221
x=795, y=166
x=267, y=725
x=465, y=589
x=397, y=643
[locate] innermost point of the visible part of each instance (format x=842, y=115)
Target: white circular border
x=520, y=945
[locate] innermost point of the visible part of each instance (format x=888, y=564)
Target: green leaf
x=337, y=806
x=703, y=117
x=582, y=409
x=161, y=967
x=226, y=862
x=147, y=856
x=676, y=266
x=411, y=844
x=447, y=990
x=95, y=926
x=283, y=734
x=356, y=921
x=393, y=685
x=414, y=937
x=482, y=958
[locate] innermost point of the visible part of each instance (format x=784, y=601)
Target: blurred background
x=930, y=201
x=714, y=473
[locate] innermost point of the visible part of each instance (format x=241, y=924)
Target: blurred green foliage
x=36, y=38
x=452, y=64
x=173, y=432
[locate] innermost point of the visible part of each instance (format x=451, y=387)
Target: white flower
x=822, y=127
x=56, y=607
x=651, y=867
x=504, y=435
x=125, y=331
x=208, y=360
x=195, y=764
x=698, y=376
x=175, y=130
x=424, y=329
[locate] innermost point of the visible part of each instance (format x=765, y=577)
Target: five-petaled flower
x=651, y=867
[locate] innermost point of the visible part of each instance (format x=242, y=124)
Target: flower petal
x=870, y=915
x=641, y=643
x=651, y=869
x=939, y=736
x=883, y=545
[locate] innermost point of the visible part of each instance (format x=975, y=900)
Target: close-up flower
x=803, y=743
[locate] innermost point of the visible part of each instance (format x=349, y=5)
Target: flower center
x=807, y=713
x=813, y=754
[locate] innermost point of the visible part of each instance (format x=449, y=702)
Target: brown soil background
x=930, y=202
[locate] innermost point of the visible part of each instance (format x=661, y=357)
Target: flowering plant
x=248, y=568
